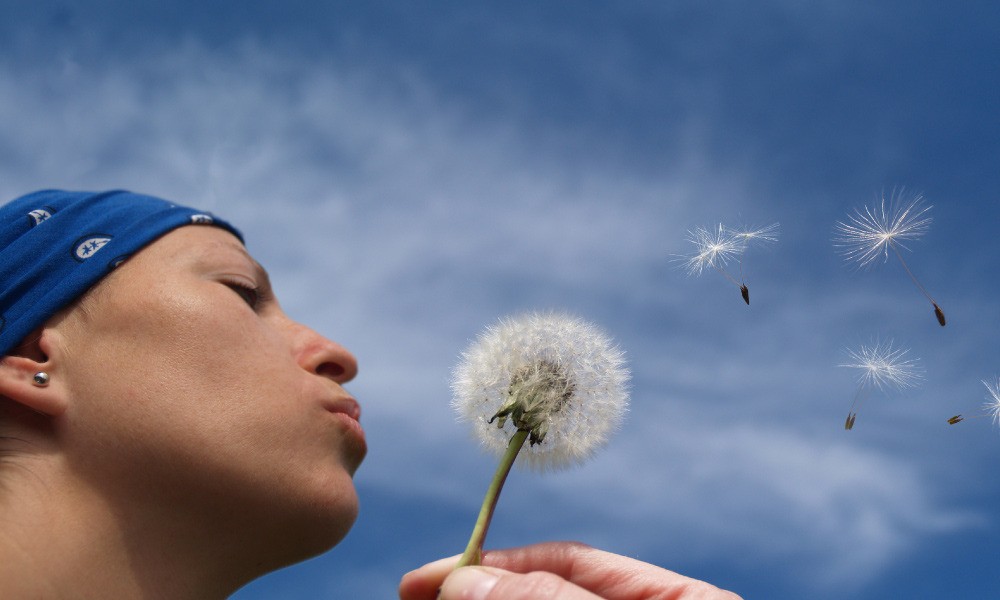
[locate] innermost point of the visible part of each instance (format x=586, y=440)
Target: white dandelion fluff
x=765, y=234
x=884, y=367
x=553, y=375
x=874, y=231
x=713, y=249
x=992, y=404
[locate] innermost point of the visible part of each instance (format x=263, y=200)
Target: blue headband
x=55, y=245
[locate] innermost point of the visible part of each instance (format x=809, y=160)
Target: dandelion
x=882, y=367
x=991, y=407
x=550, y=379
x=874, y=231
x=715, y=248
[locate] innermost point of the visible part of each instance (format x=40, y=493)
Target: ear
x=17, y=377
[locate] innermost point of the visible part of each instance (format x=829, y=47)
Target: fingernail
x=469, y=584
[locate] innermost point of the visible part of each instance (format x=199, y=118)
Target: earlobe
x=29, y=380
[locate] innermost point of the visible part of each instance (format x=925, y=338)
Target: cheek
x=192, y=369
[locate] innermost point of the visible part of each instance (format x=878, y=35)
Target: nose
x=324, y=357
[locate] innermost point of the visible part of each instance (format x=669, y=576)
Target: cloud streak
x=398, y=220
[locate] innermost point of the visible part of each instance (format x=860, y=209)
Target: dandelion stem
x=474, y=551
x=937, y=309
x=726, y=274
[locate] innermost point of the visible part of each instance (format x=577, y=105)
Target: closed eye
x=251, y=295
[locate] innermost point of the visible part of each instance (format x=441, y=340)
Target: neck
x=60, y=539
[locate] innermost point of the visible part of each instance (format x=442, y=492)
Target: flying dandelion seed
x=991, y=407
x=874, y=231
x=715, y=248
x=882, y=367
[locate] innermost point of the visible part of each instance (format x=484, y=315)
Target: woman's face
x=192, y=392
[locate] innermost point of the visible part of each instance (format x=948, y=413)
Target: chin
x=309, y=525
x=328, y=525
x=309, y=539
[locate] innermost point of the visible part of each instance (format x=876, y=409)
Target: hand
x=563, y=570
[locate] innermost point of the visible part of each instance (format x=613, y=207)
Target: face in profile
x=192, y=393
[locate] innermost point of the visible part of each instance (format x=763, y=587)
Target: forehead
x=192, y=247
x=193, y=243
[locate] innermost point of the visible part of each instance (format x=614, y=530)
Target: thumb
x=487, y=583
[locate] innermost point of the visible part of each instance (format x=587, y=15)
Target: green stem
x=474, y=551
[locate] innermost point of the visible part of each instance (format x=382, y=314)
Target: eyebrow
x=265, y=279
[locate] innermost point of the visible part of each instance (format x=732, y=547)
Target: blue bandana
x=55, y=245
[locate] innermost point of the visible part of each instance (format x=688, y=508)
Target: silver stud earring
x=41, y=379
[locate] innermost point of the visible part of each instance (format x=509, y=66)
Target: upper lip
x=346, y=405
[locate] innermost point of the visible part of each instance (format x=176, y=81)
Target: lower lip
x=351, y=425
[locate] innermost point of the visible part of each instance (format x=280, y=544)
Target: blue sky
x=411, y=172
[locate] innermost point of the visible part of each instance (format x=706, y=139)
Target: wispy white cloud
x=395, y=220
x=840, y=511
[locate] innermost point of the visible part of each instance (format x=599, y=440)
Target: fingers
x=423, y=583
x=569, y=568
x=606, y=575
x=486, y=583
x=555, y=557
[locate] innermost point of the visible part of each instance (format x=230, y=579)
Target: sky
x=409, y=173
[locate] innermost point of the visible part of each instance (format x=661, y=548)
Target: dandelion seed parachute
x=870, y=233
x=882, y=366
x=593, y=368
x=715, y=248
x=873, y=232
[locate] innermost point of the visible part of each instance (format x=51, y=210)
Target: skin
x=192, y=438
x=567, y=571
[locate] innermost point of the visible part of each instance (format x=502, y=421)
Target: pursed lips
x=349, y=408
x=346, y=405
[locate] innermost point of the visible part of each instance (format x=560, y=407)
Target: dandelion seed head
x=869, y=232
x=884, y=366
x=581, y=369
x=992, y=404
